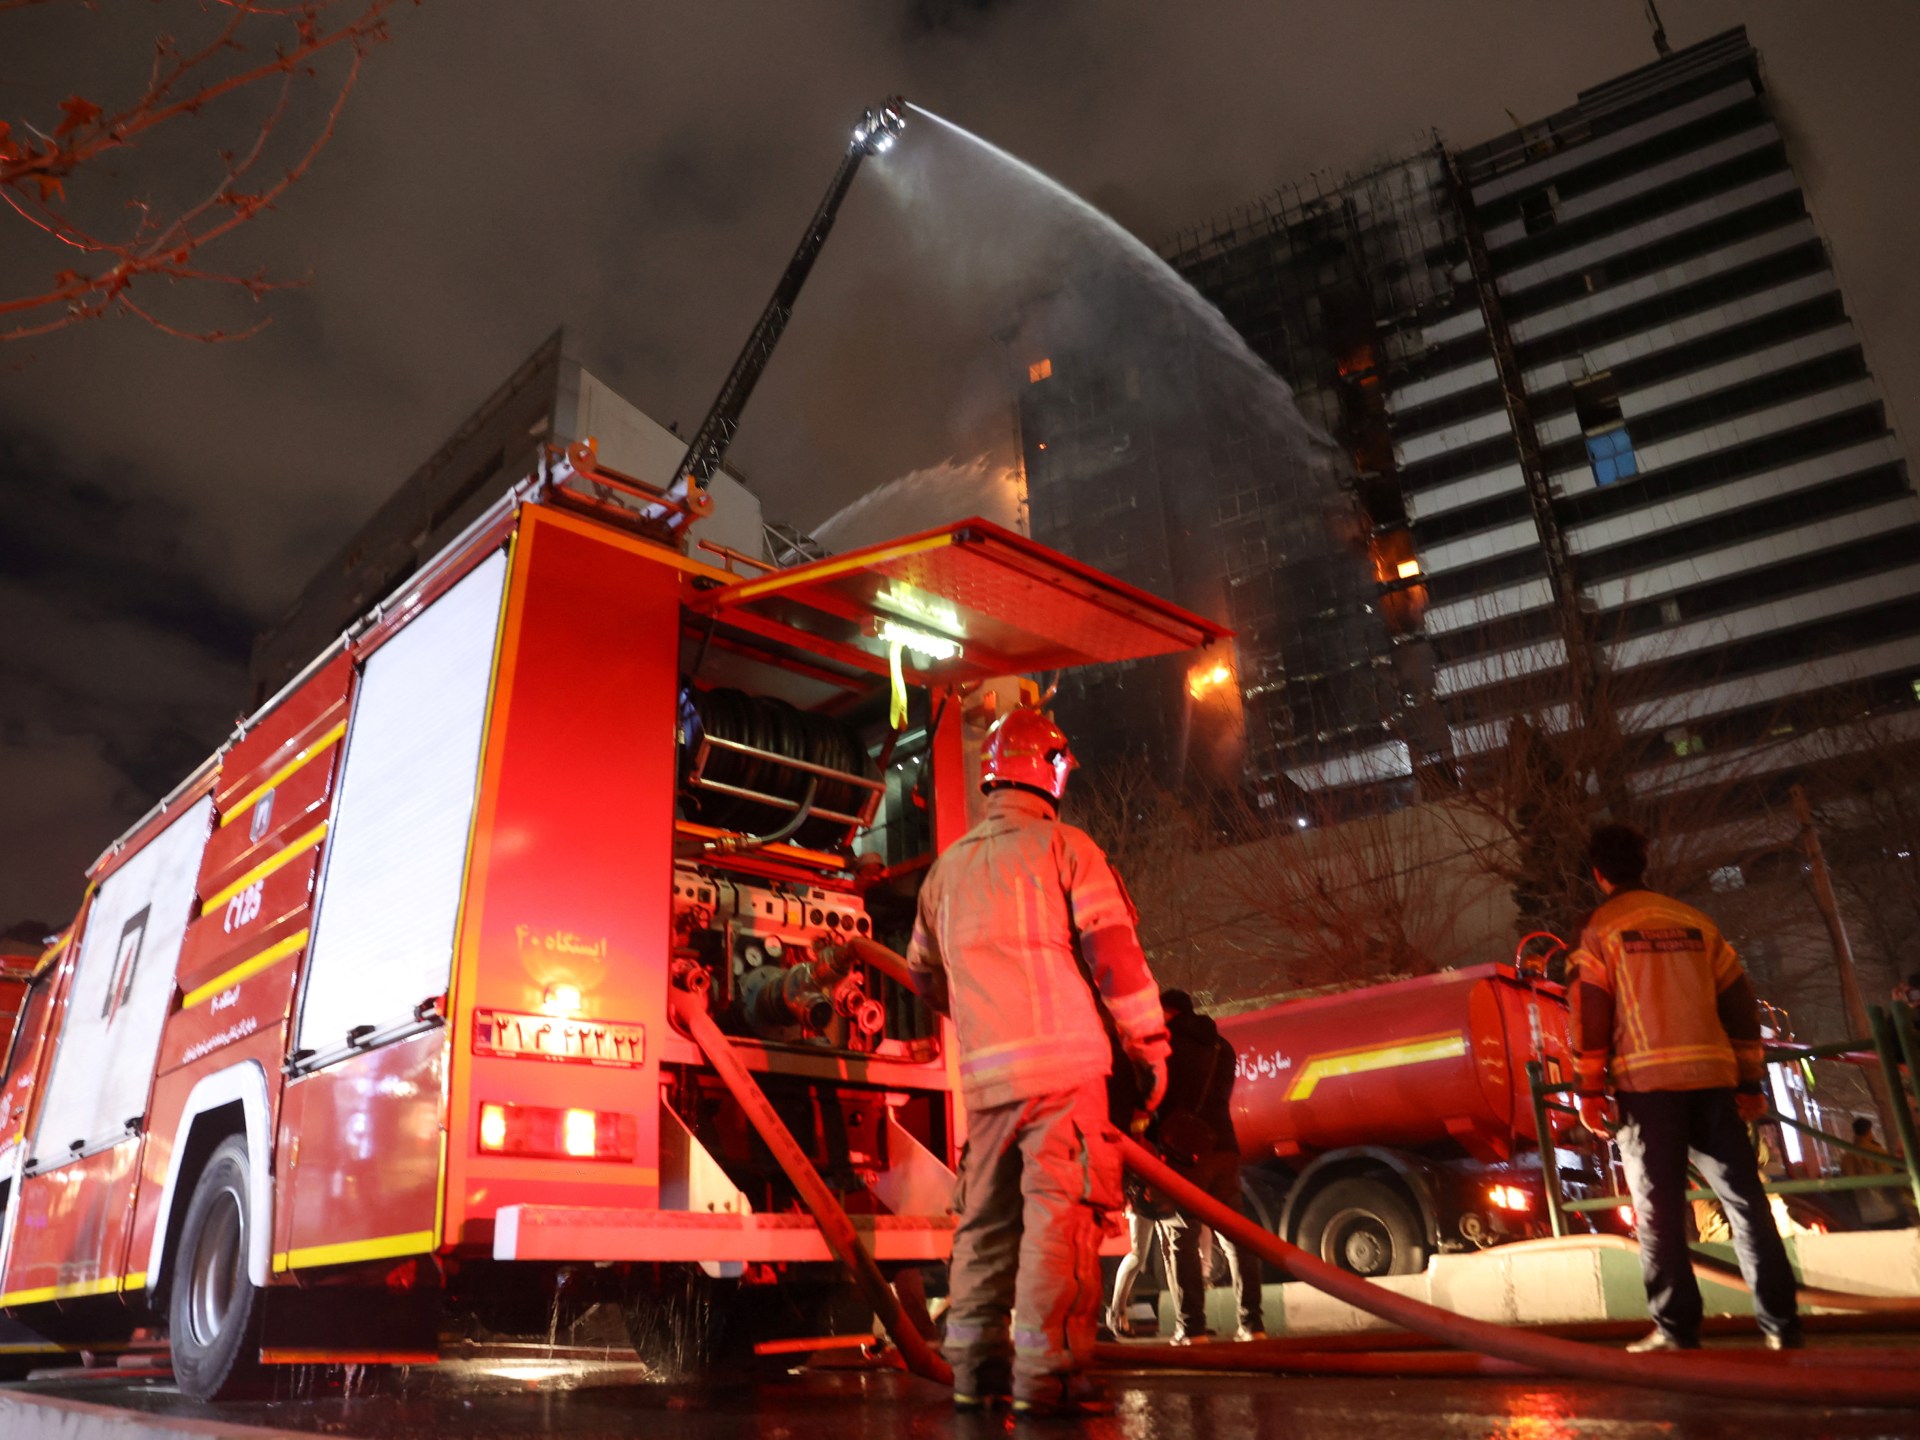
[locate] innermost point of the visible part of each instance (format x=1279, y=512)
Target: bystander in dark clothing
x=1196, y=1131
x=1661, y=1007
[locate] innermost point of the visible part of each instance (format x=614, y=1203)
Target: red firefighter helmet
x=1024, y=747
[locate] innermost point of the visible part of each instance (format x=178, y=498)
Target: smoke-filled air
x=1150, y=406
x=1138, y=428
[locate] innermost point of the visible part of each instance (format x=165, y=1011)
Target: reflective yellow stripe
x=1382, y=1057
x=786, y=580
x=252, y=797
x=108, y=1286
x=1674, y=1055
x=136, y=1281
x=245, y=970
x=385, y=1247
x=266, y=867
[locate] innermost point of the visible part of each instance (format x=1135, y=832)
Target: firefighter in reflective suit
x=1661, y=1004
x=1015, y=918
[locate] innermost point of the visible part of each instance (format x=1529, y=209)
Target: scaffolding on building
x=1333, y=283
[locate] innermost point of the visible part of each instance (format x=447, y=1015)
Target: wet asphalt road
x=507, y=1400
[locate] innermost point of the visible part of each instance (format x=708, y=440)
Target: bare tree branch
x=37, y=163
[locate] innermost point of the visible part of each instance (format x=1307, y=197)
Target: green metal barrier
x=1894, y=1046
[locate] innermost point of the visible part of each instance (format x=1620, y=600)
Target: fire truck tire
x=214, y=1310
x=1363, y=1225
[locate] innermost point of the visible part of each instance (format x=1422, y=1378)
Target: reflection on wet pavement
x=594, y=1395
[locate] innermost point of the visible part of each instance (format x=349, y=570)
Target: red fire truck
x=1388, y=1123
x=16, y=972
x=369, y=1017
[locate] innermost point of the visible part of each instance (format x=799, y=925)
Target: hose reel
x=765, y=769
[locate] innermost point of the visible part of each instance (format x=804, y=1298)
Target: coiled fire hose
x=1692, y=1372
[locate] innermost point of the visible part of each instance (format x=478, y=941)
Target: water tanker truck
x=1386, y=1124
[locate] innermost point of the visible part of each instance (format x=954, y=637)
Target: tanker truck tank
x=1395, y=1120
x=1440, y=1059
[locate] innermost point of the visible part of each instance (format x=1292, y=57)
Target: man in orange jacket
x=1016, y=917
x=1659, y=999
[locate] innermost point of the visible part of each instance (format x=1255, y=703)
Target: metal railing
x=1894, y=1046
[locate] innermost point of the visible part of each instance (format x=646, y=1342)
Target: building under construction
x=1598, y=411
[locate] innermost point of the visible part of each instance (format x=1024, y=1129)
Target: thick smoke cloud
x=641, y=173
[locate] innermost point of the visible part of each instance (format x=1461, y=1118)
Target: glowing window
x=1038, y=371
x=1408, y=569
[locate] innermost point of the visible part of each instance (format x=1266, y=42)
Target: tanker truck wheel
x=214, y=1310
x=1365, y=1226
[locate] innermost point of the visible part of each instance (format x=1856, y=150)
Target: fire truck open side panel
x=559, y=1002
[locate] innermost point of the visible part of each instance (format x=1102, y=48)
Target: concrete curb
x=26, y=1416
x=1581, y=1278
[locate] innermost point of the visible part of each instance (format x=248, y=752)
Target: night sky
x=640, y=172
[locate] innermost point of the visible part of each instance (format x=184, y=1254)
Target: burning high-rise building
x=1598, y=408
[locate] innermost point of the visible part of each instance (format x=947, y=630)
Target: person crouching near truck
x=1195, y=1130
x=1660, y=1002
x=1015, y=917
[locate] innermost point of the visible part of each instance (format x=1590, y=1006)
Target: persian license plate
x=546, y=1037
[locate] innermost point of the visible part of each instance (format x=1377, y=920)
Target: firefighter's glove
x=1152, y=1073
x=1751, y=1104
x=1596, y=1113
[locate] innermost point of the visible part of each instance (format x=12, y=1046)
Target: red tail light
x=1510, y=1197
x=549, y=1133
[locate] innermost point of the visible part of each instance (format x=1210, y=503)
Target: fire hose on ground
x=1694, y=1372
x=1501, y=1351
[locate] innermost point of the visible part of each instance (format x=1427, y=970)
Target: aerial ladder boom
x=873, y=135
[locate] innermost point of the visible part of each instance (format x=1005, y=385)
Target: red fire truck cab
x=369, y=1018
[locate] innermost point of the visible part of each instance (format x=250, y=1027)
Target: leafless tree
x=1238, y=901
x=1540, y=765
x=111, y=229
x=1158, y=843
x=1359, y=899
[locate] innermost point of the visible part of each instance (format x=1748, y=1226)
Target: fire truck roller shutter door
x=103, y=1068
x=397, y=853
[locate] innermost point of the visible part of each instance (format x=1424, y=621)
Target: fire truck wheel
x=1363, y=1225
x=214, y=1310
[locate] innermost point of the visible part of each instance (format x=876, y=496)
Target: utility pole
x=1829, y=906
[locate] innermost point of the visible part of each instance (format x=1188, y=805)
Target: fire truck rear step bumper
x=570, y=1232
